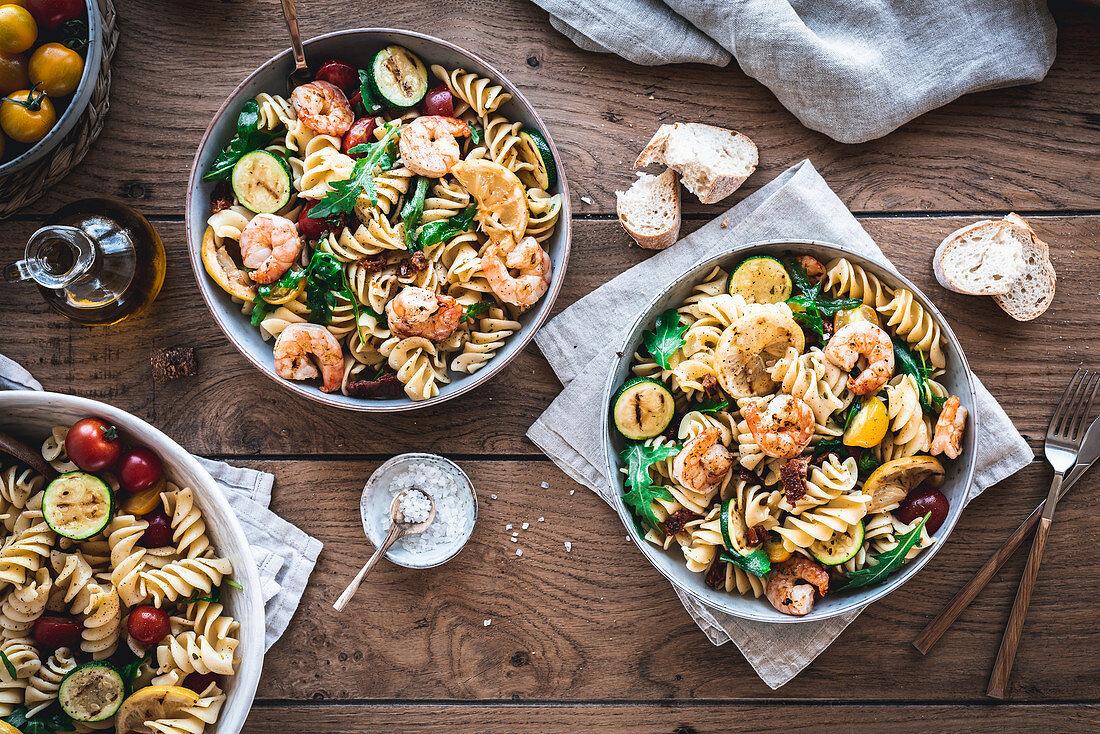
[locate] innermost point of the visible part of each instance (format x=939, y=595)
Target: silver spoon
x=301, y=74
x=399, y=528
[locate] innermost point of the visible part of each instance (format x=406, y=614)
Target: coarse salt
x=514, y=539
x=454, y=509
x=568, y=547
x=519, y=551
x=508, y=526
x=487, y=622
x=525, y=525
x=544, y=485
x=541, y=519
x=415, y=506
x=493, y=496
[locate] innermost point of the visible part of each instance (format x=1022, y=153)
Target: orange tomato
x=18, y=30
x=56, y=68
x=13, y=73
x=27, y=116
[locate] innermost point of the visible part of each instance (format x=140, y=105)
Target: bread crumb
x=725, y=222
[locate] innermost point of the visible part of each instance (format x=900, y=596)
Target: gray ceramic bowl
x=356, y=47
x=30, y=414
x=69, y=116
x=960, y=472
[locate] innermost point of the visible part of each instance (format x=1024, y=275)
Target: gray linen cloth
x=854, y=70
x=798, y=204
x=285, y=555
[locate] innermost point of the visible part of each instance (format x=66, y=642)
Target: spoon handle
x=295, y=37
x=396, y=531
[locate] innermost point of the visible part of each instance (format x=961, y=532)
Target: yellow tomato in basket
x=869, y=426
x=13, y=73
x=18, y=30
x=27, y=115
x=56, y=68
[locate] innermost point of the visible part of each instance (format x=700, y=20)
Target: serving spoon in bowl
x=399, y=528
x=301, y=74
x=25, y=455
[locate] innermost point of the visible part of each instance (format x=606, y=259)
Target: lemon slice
x=6, y=728
x=501, y=205
x=220, y=266
x=151, y=703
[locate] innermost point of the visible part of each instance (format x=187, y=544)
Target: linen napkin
x=854, y=70
x=285, y=555
x=798, y=204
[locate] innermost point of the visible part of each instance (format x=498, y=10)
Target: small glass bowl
x=374, y=508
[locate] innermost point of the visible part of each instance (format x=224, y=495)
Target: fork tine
x=1058, y=419
x=1078, y=426
x=1077, y=406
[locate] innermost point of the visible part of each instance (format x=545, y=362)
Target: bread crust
x=1047, y=275
x=669, y=235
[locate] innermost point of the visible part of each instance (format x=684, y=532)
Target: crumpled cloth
x=285, y=555
x=798, y=204
x=854, y=70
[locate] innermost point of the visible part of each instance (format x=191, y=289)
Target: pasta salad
x=786, y=429
x=110, y=611
x=385, y=233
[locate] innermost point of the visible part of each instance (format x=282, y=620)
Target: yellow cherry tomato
x=869, y=426
x=17, y=29
x=13, y=73
x=27, y=116
x=56, y=68
x=773, y=546
x=851, y=316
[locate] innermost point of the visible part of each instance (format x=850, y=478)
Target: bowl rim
x=247, y=676
x=73, y=111
x=611, y=469
x=469, y=382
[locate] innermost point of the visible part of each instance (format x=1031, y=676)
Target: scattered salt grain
x=514, y=539
x=586, y=200
x=415, y=506
x=519, y=551
x=568, y=547
x=572, y=491
x=541, y=519
x=493, y=496
x=525, y=525
x=544, y=485
x=508, y=526
x=486, y=623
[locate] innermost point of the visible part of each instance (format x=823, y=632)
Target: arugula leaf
x=8, y=666
x=888, y=561
x=413, y=211
x=853, y=409
x=757, y=562
x=712, y=406
x=867, y=463
x=827, y=445
x=639, y=458
x=441, y=230
x=920, y=372
x=287, y=282
x=214, y=596
x=475, y=135
x=666, y=338
x=474, y=310
x=813, y=306
x=798, y=274
x=129, y=671
x=324, y=280
x=49, y=720
x=370, y=105
x=342, y=195
x=248, y=138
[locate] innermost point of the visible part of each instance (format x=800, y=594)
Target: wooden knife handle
x=935, y=629
x=1002, y=668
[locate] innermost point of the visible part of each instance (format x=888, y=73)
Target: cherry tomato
x=148, y=625
x=199, y=682
x=93, y=445
x=13, y=73
x=27, y=115
x=52, y=13
x=339, y=73
x=308, y=227
x=55, y=632
x=56, y=68
x=920, y=502
x=159, y=532
x=358, y=134
x=18, y=30
x=139, y=469
x=143, y=502
x=438, y=101
x=356, y=102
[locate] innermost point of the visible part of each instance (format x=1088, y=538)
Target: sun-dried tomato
x=709, y=385
x=676, y=521
x=412, y=265
x=221, y=198
x=793, y=474
x=372, y=263
x=755, y=535
x=749, y=477
x=386, y=386
x=716, y=574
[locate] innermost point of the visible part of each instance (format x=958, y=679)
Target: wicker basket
x=25, y=186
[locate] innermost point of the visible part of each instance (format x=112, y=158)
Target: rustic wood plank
x=1026, y=148
x=600, y=622
x=1025, y=365
x=669, y=718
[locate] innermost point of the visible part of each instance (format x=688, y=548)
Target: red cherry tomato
x=55, y=632
x=358, y=134
x=148, y=625
x=339, y=73
x=52, y=13
x=920, y=502
x=93, y=445
x=310, y=228
x=159, y=532
x=139, y=469
x=438, y=101
x=198, y=682
x=356, y=102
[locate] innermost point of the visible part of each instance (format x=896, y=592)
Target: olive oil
x=97, y=262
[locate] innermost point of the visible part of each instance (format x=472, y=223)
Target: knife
x=1086, y=457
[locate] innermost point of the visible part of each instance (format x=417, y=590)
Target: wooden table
x=594, y=640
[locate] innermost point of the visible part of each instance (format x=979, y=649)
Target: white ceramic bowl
x=30, y=415
x=357, y=47
x=960, y=473
x=68, y=117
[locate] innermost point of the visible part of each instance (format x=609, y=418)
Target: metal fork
x=1063, y=442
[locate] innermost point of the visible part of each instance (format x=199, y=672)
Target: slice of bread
x=650, y=210
x=712, y=161
x=1033, y=291
x=981, y=259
